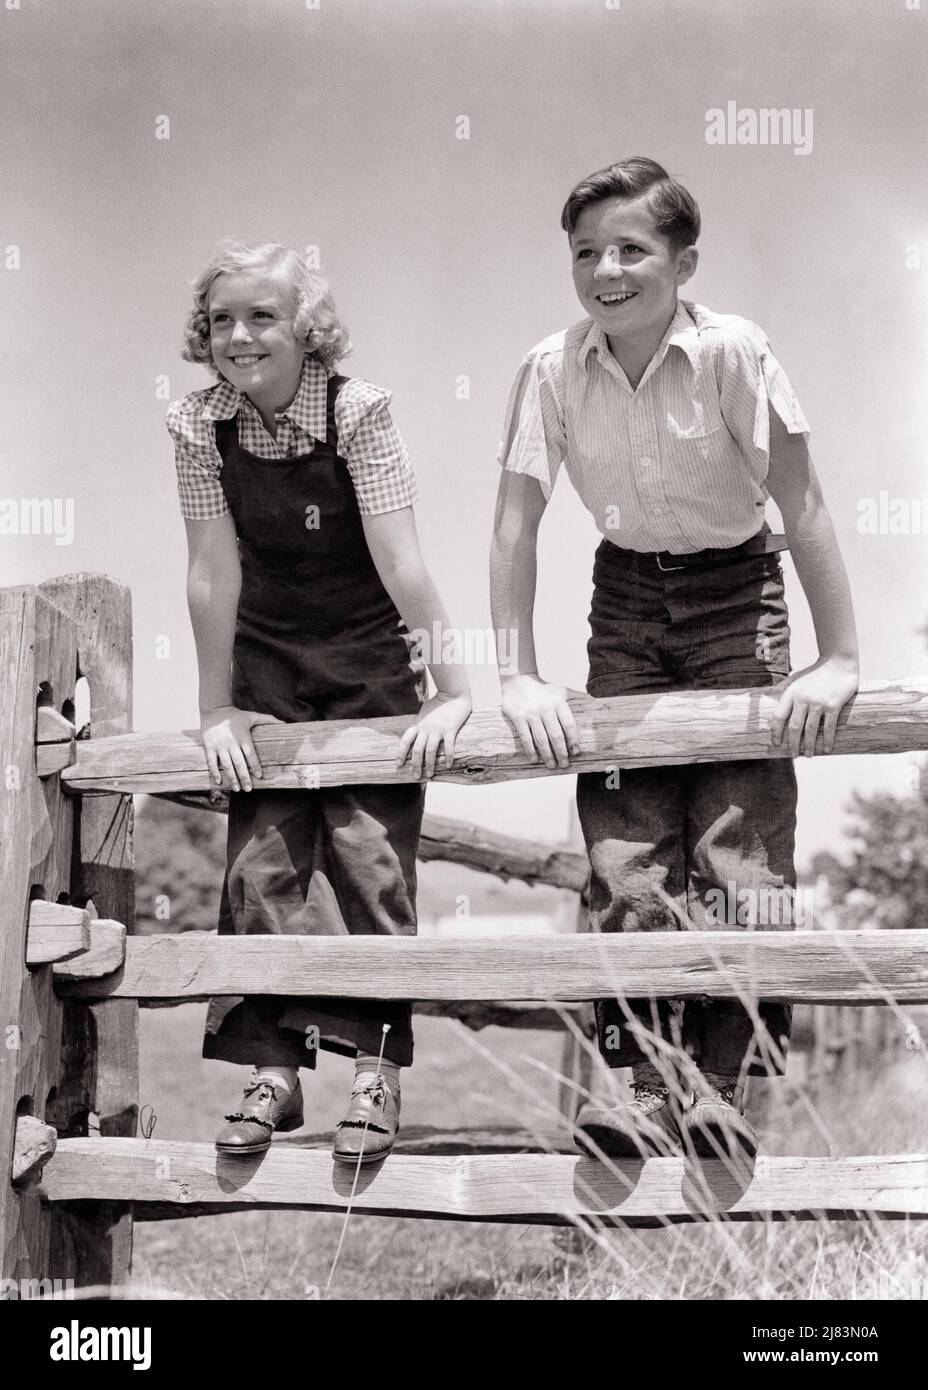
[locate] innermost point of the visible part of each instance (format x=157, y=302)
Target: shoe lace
x=646, y=1092
x=266, y=1090
x=724, y=1093
x=375, y=1088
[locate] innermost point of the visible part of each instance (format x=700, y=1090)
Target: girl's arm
x=214, y=581
x=538, y=712
x=394, y=546
x=816, y=695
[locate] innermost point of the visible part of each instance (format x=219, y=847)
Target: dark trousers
x=335, y=861
x=676, y=848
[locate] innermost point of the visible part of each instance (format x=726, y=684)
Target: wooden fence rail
x=691, y=726
x=833, y=967
x=168, y=1180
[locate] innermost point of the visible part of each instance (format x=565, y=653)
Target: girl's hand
x=232, y=758
x=439, y=721
x=815, y=697
x=542, y=719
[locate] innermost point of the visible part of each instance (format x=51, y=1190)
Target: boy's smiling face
x=251, y=336
x=626, y=273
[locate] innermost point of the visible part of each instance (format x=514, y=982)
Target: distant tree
x=179, y=862
x=884, y=883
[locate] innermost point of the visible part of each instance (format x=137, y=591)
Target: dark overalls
x=317, y=637
x=668, y=844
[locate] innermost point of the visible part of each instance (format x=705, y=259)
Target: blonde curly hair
x=314, y=316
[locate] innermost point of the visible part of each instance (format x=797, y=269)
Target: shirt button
x=646, y=460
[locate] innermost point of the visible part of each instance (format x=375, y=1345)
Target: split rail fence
x=73, y=974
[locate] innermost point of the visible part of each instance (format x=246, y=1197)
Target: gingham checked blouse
x=368, y=440
x=678, y=463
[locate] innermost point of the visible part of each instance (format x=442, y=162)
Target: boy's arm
x=539, y=712
x=815, y=696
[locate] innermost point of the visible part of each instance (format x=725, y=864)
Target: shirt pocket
x=694, y=417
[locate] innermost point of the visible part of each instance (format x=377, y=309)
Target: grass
x=288, y=1255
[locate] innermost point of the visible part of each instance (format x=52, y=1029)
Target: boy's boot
x=642, y=1127
x=715, y=1127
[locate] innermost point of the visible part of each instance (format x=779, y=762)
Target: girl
x=304, y=580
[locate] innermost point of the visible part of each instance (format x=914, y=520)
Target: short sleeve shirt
x=368, y=441
x=678, y=463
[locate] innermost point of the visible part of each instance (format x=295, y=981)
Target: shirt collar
x=681, y=332
x=306, y=410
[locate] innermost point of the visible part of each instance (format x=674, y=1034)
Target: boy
x=674, y=425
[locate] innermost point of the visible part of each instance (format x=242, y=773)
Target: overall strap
x=226, y=435
x=333, y=386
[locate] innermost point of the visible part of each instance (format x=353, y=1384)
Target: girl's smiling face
x=251, y=336
x=626, y=273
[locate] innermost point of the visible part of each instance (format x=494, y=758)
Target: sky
x=137, y=136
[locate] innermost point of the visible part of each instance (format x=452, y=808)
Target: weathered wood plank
x=55, y=932
x=37, y=648
x=52, y=727
x=632, y=731
x=33, y=1144
x=180, y=1179
x=55, y=734
x=505, y=856
x=53, y=757
x=105, y=952
x=99, y=1075
x=831, y=967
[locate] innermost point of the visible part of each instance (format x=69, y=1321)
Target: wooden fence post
x=99, y=1070
x=38, y=656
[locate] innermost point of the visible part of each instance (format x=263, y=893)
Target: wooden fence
x=72, y=973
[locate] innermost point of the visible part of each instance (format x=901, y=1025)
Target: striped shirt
x=368, y=441
x=677, y=464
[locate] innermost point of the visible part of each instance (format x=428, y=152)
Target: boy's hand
x=230, y=753
x=439, y=721
x=542, y=719
x=814, y=697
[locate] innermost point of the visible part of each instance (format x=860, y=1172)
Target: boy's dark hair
x=674, y=209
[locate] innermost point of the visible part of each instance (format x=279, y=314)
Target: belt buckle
x=667, y=569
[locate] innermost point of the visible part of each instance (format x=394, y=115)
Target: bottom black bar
x=254, y=1342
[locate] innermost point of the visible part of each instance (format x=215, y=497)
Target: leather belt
x=666, y=562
